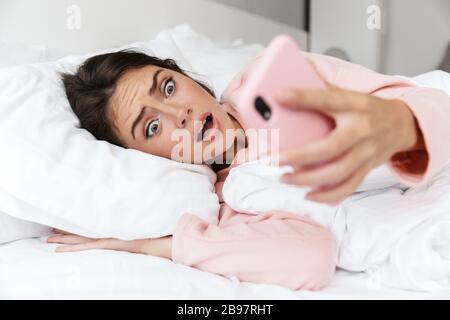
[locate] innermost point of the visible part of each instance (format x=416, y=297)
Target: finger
x=326, y=101
x=338, y=193
x=334, y=172
x=337, y=143
x=70, y=248
x=105, y=244
x=80, y=247
x=68, y=239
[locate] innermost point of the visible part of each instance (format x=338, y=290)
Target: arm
x=379, y=120
x=158, y=247
x=272, y=248
x=430, y=108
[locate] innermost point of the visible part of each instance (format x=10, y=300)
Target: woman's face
x=153, y=107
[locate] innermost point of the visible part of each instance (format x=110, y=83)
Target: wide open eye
x=152, y=128
x=169, y=88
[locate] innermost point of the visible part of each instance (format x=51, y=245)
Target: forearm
x=430, y=107
x=431, y=110
x=272, y=248
x=420, y=142
x=409, y=130
x=160, y=247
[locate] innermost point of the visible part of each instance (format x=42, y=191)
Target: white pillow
x=55, y=174
x=11, y=54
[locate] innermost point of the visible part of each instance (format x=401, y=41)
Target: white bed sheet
x=30, y=269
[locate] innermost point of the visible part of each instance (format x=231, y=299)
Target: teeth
x=203, y=125
x=200, y=131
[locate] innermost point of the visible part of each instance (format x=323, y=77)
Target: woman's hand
x=159, y=247
x=369, y=131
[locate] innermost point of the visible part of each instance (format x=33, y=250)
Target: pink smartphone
x=282, y=65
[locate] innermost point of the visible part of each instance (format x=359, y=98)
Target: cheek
x=171, y=140
x=225, y=120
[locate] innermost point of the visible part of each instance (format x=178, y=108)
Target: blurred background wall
x=412, y=39
x=290, y=12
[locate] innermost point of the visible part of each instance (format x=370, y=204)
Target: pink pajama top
x=293, y=251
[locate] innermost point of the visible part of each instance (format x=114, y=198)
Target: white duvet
x=399, y=235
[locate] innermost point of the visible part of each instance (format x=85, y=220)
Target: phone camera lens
x=262, y=108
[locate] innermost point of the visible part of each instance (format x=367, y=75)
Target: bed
x=30, y=269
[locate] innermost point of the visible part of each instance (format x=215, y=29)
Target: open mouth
x=206, y=131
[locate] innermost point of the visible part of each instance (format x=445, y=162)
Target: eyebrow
x=136, y=121
x=142, y=112
x=155, y=82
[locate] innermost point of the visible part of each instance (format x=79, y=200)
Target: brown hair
x=90, y=89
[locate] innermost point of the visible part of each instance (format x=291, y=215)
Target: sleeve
x=272, y=248
x=431, y=108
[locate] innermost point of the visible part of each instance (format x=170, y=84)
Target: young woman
x=137, y=101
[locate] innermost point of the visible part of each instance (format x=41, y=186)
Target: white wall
x=418, y=33
x=290, y=12
x=343, y=24
x=413, y=37
x=46, y=22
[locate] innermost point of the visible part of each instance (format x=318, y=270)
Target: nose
x=181, y=115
